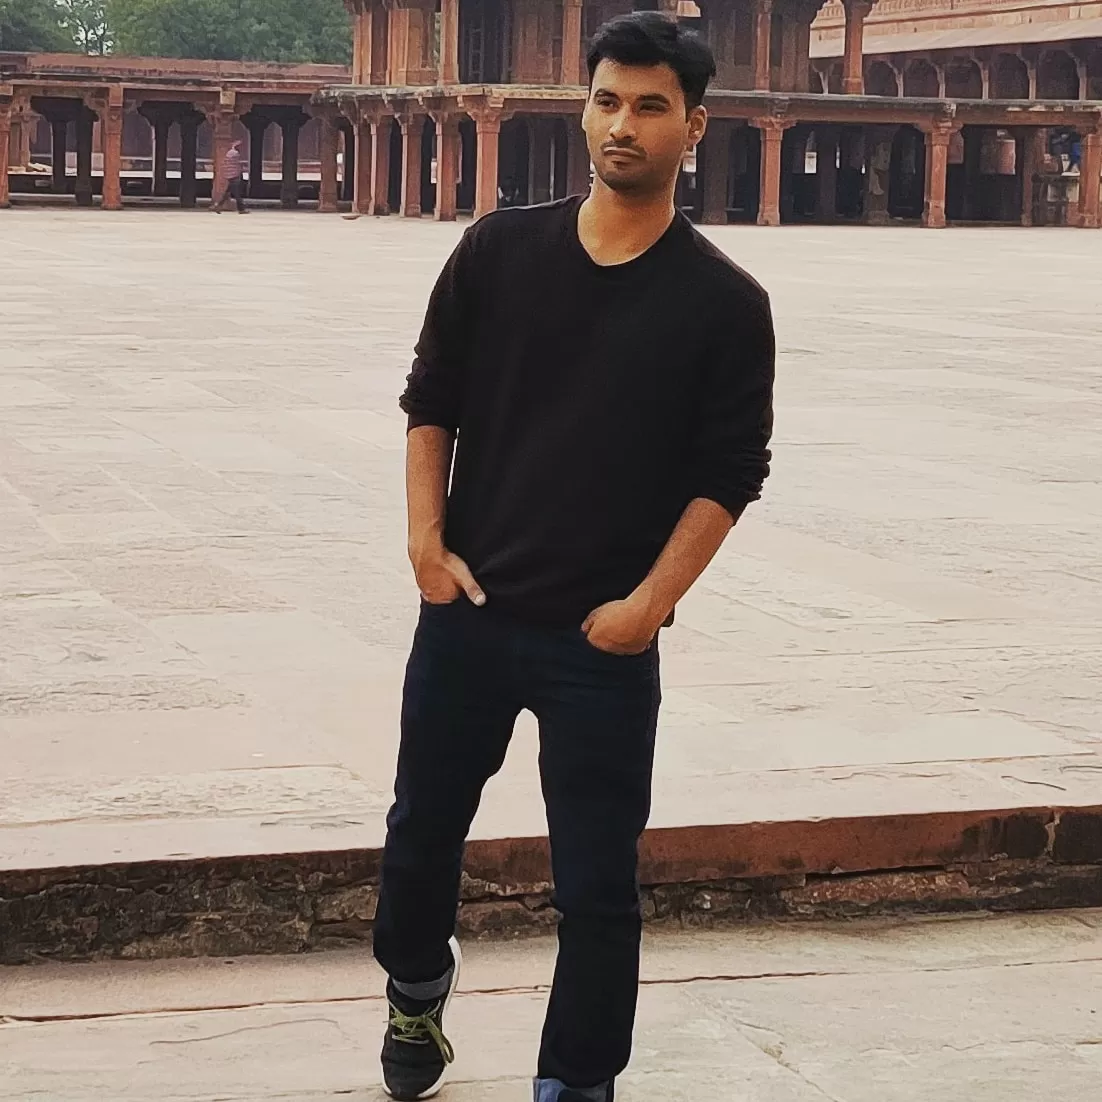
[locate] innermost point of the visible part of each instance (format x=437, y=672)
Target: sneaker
x=416, y=1054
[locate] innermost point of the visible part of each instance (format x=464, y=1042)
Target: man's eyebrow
x=654, y=97
x=604, y=92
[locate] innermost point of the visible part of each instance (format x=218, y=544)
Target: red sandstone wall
x=901, y=17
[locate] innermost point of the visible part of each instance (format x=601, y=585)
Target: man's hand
x=443, y=577
x=622, y=627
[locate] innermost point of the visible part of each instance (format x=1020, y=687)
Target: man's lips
x=620, y=151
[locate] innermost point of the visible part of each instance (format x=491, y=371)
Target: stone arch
x=881, y=79
x=816, y=81
x=834, y=79
x=963, y=79
x=1057, y=76
x=920, y=79
x=1009, y=78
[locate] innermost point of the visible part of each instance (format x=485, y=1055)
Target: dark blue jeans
x=472, y=671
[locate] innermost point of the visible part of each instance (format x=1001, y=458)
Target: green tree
x=233, y=30
x=86, y=22
x=32, y=25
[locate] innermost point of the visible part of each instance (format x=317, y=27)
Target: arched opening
x=881, y=80
x=1094, y=73
x=815, y=84
x=1009, y=78
x=834, y=79
x=483, y=35
x=745, y=174
x=1057, y=76
x=920, y=79
x=798, y=182
x=963, y=79
x=907, y=188
x=514, y=160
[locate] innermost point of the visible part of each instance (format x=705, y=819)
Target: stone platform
x=984, y=1009
x=883, y=694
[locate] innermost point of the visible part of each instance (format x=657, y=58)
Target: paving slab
x=1006, y=1009
x=205, y=605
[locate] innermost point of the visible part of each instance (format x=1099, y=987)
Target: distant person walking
x=233, y=180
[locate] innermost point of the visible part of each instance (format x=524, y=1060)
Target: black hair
x=652, y=38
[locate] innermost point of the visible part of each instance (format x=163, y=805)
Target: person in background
x=232, y=171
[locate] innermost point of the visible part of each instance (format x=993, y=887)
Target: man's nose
x=623, y=127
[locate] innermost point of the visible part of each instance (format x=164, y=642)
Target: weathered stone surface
x=983, y=1008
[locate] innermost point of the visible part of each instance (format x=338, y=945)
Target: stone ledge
x=1021, y=859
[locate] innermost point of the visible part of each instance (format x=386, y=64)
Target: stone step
x=124, y=877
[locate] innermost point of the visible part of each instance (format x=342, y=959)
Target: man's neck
x=615, y=227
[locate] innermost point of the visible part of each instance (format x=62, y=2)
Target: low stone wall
x=1021, y=860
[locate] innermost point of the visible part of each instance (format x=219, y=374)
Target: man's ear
x=698, y=123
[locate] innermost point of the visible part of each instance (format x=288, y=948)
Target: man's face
x=636, y=126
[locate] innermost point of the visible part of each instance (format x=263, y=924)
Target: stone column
x=878, y=175
x=83, y=188
x=488, y=128
x=1090, y=168
x=28, y=126
x=5, y=143
x=379, y=53
x=361, y=42
x=413, y=126
x=826, y=172
x=763, y=28
x=937, y=168
x=161, y=128
x=1032, y=151
x=853, y=73
x=570, y=71
x=717, y=164
x=540, y=136
x=380, y=161
x=772, y=139
x=449, y=41
x=327, y=196
x=58, y=128
x=447, y=165
x=577, y=158
x=189, y=141
x=111, y=131
x=288, y=191
x=258, y=128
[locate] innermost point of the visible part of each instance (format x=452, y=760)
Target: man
x=233, y=180
x=604, y=378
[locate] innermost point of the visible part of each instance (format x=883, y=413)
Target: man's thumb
x=465, y=578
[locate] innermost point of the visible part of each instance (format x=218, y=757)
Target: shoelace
x=419, y=1029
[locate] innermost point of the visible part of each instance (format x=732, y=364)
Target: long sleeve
x=434, y=388
x=732, y=454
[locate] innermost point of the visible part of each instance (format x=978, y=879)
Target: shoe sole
x=457, y=956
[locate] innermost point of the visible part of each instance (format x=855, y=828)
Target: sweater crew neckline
x=628, y=268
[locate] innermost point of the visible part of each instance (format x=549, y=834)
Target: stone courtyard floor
x=1002, y=1009
x=204, y=599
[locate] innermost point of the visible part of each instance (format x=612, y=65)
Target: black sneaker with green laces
x=416, y=1053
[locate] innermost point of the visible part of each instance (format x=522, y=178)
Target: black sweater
x=592, y=404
